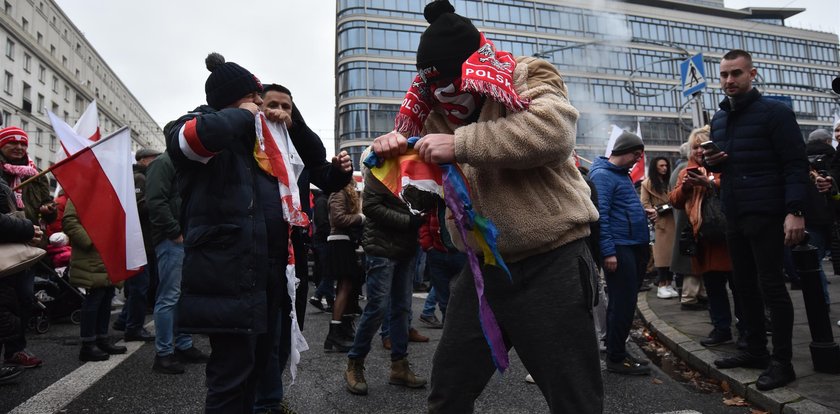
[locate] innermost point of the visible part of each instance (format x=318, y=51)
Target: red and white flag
x=638, y=172
x=84, y=133
x=100, y=182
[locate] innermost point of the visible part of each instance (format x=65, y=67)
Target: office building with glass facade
x=620, y=60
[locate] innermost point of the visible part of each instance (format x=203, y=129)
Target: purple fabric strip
x=453, y=186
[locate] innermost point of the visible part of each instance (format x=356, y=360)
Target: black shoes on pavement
x=628, y=366
x=140, y=335
x=744, y=360
x=777, y=375
x=9, y=374
x=168, y=364
x=105, y=345
x=716, y=338
x=91, y=352
x=191, y=355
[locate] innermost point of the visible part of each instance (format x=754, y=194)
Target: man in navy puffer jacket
x=624, y=246
x=763, y=187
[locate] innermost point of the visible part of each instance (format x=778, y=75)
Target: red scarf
x=486, y=72
x=18, y=174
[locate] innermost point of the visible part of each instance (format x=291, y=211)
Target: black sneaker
x=716, y=338
x=745, y=360
x=627, y=367
x=777, y=375
x=140, y=335
x=9, y=374
x=431, y=321
x=741, y=343
x=168, y=364
x=316, y=302
x=191, y=355
x=638, y=360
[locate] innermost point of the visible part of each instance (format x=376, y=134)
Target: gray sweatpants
x=545, y=314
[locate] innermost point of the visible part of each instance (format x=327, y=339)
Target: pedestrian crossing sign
x=693, y=75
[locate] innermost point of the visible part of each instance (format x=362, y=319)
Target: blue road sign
x=693, y=75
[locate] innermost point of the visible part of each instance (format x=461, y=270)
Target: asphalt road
x=128, y=385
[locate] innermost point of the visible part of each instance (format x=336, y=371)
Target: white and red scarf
x=19, y=173
x=487, y=72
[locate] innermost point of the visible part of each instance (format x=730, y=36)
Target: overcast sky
x=157, y=47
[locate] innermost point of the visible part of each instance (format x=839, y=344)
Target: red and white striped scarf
x=19, y=173
x=487, y=72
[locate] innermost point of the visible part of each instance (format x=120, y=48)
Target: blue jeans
x=170, y=258
x=326, y=287
x=443, y=267
x=389, y=281
x=431, y=302
x=133, y=313
x=95, y=313
x=623, y=286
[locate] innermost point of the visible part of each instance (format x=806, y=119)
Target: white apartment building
x=48, y=64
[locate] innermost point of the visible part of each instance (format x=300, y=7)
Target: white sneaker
x=673, y=290
x=529, y=379
x=663, y=292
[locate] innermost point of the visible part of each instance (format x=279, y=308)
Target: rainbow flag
x=448, y=182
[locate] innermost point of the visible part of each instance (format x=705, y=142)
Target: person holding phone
x=761, y=154
x=712, y=260
x=654, y=195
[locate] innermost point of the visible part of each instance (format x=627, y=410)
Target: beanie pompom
x=213, y=61
x=437, y=8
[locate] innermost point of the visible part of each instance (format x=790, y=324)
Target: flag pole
x=44, y=172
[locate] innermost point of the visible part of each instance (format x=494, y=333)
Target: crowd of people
x=226, y=217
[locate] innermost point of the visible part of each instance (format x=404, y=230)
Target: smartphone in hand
x=710, y=146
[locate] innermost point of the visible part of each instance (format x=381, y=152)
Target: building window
x=66, y=93
x=24, y=125
x=40, y=38
x=52, y=50
x=64, y=61
x=24, y=23
x=55, y=84
x=7, y=7
x=52, y=142
x=7, y=118
x=27, y=98
x=7, y=83
x=42, y=73
x=40, y=103
x=27, y=62
x=38, y=133
x=38, y=162
x=10, y=49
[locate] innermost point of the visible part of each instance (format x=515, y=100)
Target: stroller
x=55, y=298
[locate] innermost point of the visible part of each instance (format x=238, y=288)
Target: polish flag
x=87, y=127
x=100, y=182
x=637, y=173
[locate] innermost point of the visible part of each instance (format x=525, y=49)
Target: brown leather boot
x=386, y=342
x=414, y=336
x=354, y=376
x=401, y=374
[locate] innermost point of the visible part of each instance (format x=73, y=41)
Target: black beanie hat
x=228, y=82
x=626, y=143
x=448, y=41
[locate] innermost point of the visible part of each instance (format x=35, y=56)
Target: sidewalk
x=681, y=331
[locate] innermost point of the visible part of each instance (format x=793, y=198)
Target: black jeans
x=24, y=285
x=95, y=314
x=623, y=287
x=719, y=310
x=756, y=246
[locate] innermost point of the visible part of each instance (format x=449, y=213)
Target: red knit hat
x=13, y=134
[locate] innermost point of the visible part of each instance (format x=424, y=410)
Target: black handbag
x=713, y=226
x=687, y=244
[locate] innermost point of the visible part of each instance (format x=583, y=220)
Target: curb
x=781, y=400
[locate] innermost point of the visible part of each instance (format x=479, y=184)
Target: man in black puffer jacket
x=763, y=188
x=235, y=234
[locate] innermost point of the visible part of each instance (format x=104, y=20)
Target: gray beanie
x=819, y=135
x=627, y=142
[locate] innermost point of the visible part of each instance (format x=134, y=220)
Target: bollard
x=825, y=353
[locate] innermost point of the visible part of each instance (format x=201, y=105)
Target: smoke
x=593, y=56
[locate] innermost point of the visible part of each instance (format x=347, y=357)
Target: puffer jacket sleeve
x=790, y=150
x=540, y=135
x=339, y=216
x=375, y=207
x=199, y=137
x=604, y=186
x=159, y=194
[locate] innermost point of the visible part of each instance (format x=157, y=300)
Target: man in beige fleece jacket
x=508, y=123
